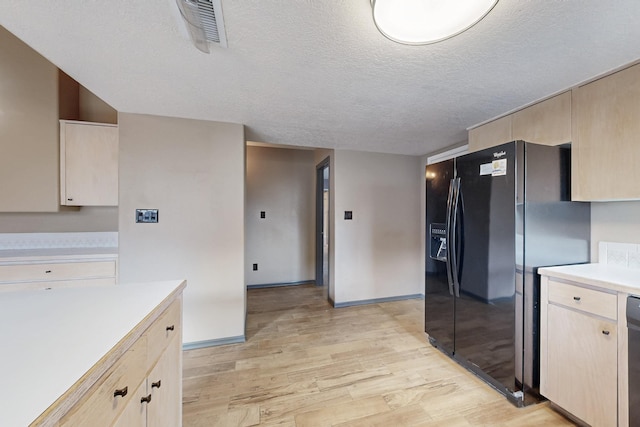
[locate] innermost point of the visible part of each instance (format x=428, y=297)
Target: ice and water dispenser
x=438, y=241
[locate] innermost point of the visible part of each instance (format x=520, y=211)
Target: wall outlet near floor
x=255, y=267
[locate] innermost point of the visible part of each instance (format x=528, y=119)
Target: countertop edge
x=613, y=278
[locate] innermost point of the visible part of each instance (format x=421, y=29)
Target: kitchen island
x=85, y=356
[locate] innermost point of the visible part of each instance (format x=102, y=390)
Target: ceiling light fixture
x=427, y=21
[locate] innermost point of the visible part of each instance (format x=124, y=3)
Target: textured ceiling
x=318, y=73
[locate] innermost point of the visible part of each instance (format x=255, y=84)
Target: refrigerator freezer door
x=438, y=304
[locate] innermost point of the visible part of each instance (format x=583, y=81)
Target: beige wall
x=94, y=109
x=193, y=172
x=614, y=222
x=67, y=220
x=280, y=182
x=378, y=254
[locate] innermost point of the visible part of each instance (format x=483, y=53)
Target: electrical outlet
x=263, y=214
x=255, y=267
x=348, y=215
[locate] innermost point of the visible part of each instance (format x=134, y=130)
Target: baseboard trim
x=376, y=300
x=213, y=343
x=278, y=285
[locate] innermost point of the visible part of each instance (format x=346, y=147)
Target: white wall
x=280, y=182
x=379, y=253
x=614, y=222
x=193, y=172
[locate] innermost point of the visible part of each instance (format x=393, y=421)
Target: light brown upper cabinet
x=28, y=129
x=88, y=164
x=606, y=145
x=490, y=134
x=548, y=122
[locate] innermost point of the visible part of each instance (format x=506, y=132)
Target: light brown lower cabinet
x=154, y=401
x=579, y=351
x=143, y=387
x=51, y=274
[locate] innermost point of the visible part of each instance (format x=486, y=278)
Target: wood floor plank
x=406, y=416
x=305, y=363
x=342, y=412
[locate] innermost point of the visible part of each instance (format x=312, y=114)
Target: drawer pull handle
x=170, y=328
x=70, y=200
x=47, y=271
x=121, y=392
x=145, y=399
x=157, y=384
x=576, y=298
x=605, y=332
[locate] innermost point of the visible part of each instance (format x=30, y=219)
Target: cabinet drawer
x=162, y=330
x=23, y=286
x=584, y=299
x=56, y=271
x=100, y=407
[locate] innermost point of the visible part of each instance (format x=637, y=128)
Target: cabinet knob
x=170, y=328
x=156, y=384
x=576, y=298
x=145, y=399
x=121, y=392
x=605, y=332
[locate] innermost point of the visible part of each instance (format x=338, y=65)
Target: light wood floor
x=307, y=364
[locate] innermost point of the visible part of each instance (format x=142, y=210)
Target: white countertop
x=615, y=278
x=50, y=338
x=62, y=254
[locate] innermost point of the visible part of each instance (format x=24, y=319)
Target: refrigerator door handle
x=454, y=238
x=448, y=231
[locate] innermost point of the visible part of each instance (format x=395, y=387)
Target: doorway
x=322, y=223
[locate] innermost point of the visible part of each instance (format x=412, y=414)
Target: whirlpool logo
x=499, y=154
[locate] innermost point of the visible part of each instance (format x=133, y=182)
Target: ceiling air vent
x=203, y=19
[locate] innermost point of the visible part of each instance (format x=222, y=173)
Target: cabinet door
x=28, y=128
x=547, y=122
x=582, y=365
x=606, y=149
x=135, y=413
x=490, y=134
x=89, y=164
x=165, y=387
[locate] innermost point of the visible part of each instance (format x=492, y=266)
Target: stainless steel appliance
x=506, y=211
x=633, y=329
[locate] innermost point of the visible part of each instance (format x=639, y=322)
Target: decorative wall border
x=17, y=241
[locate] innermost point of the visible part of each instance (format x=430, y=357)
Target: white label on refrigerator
x=486, y=169
x=499, y=167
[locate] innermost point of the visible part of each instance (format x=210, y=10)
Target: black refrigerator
x=493, y=218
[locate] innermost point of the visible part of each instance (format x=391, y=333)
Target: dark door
x=438, y=302
x=485, y=309
x=322, y=223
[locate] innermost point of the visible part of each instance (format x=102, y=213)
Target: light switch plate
x=147, y=215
